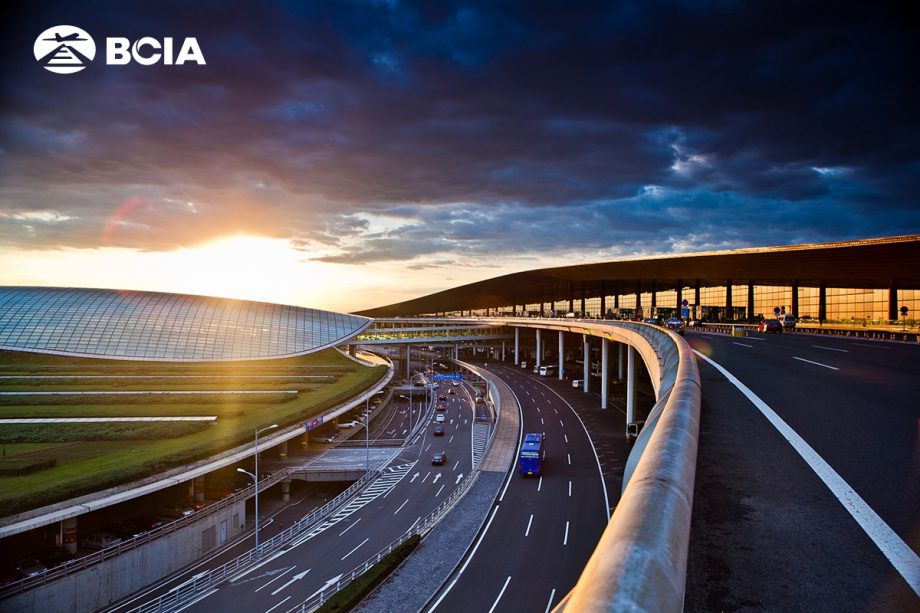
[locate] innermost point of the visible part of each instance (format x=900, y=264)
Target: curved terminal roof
x=133, y=325
x=870, y=263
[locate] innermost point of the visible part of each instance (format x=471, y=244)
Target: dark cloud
x=418, y=133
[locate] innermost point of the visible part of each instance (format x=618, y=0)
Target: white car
x=577, y=382
x=439, y=418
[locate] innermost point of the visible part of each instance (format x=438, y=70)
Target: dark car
x=676, y=324
x=439, y=458
x=451, y=392
x=174, y=511
x=126, y=529
x=30, y=567
x=441, y=407
x=55, y=556
x=439, y=430
x=770, y=325
x=442, y=397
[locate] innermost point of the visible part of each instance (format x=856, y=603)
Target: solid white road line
x=356, y=548
x=348, y=528
x=870, y=345
x=902, y=557
x=277, y=605
x=566, y=437
x=400, y=507
x=570, y=488
x=569, y=456
x=742, y=344
x=438, y=493
x=542, y=423
x=565, y=539
x=451, y=439
x=276, y=578
x=549, y=603
x=831, y=348
x=504, y=587
x=540, y=483
x=815, y=363
x=529, y=521
x=456, y=465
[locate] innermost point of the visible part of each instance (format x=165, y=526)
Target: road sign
x=685, y=312
x=685, y=302
x=776, y=310
x=904, y=311
x=450, y=377
x=312, y=424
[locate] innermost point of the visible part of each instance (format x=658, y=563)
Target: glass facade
x=165, y=327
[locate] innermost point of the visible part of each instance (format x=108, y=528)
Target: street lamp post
x=255, y=477
x=367, y=438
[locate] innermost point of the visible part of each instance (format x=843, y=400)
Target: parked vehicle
x=174, y=510
x=523, y=364
x=770, y=325
x=30, y=567
x=100, y=540
x=787, y=321
x=676, y=324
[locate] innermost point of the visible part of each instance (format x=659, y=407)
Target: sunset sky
x=349, y=155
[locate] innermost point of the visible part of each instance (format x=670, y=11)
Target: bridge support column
x=198, y=489
x=503, y=351
x=286, y=490
x=517, y=346
x=586, y=357
x=605, y=345
x=631, y=386
x=621, y=359
x=561, y=353
x=69, y=535
x=352, y=350
x=305, y=441
x=409, y=363
x=539, y=348
x=283, y=451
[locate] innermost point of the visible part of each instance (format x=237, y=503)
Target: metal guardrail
x=879, y=335
x=108, y=553
x=421, y=527
x=191, y=589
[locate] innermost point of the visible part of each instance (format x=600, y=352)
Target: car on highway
x=348, y=425
x=523, y=364
x=454, y=383
x=452, y=392
x=438, y=429
x=770, y=325
x=54, y=556
x=787, y=321
x=439, y=418
x=439, y=458
x=479, y=398
x=676, y=324
x=442, y=397
x=99, y=540
x=441, y=407
x=30, y=567
x=577, y=382
x=650, y=320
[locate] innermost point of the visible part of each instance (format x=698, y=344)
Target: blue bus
x=530, y=459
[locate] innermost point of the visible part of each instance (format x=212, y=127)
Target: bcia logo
x=68, y=49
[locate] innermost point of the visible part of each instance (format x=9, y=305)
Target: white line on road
x=400, y=507
x=529, y=521
x=555, y=411
x=566, y=437
x=565, y=539
x=742, y=344
x=569, y=456
x=540, y=483
x=426, y=476
x=439, y=491
x=356, y=548
x=348, y=528
x=276, y=578
x=550, y=602
x=870, y=345
x=277, y=605
x=504, y=587
x=570, y=488
x=541, y=421
x=815, y=363
x=296, y=577
x=831, y=348
x=456, y=465
x=428, y=447
x=561, y=424
x=902, y=557
x=451, y=439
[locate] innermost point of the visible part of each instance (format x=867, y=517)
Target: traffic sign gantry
x=451, y=377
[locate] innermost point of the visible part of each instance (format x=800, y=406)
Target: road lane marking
x=428, y=447
x=831, y=348
x=456, y=465
x=815, y=363
x=276, y=578
x=296, y=577
x=504, y=587
x=529, y=521
x=566, y=437
x=356, y=548
x=742, y=344
x=439, y=491
x=541, y=422
x=346, y=529
x=902, y=557
x=870, y=345
x=570, y=488
x=549, y=604
x=565, y=539
x=426, y=476
x=398, y=510
x=451, y=439
x=540, y=483
x=277, y=605
x=555, y=411
x=561, y=424
x=569, y=456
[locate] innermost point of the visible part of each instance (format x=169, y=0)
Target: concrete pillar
x=561, y=353
x=822, y=302
x=69, y=532
x=893, y=310
x=795, y=300
x=680, y=296
x=603, y=304
x=283, y=451
x=503, y=351
x=517, y=346
x=198, y=489
x=539, y=348
x=750, y=301
x=586, y=357
x=286, y=490
x=621, y=359
x=604, y=347
x=631, y=386
x=305, y=441
x=729, y=308
x=352, y=350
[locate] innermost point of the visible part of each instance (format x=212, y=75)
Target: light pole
x=367, y=438
x=255, y=477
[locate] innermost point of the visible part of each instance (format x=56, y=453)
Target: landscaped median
x=45, y=463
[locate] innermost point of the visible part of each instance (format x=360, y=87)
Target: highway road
x=768, y=531
x=542, y=532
